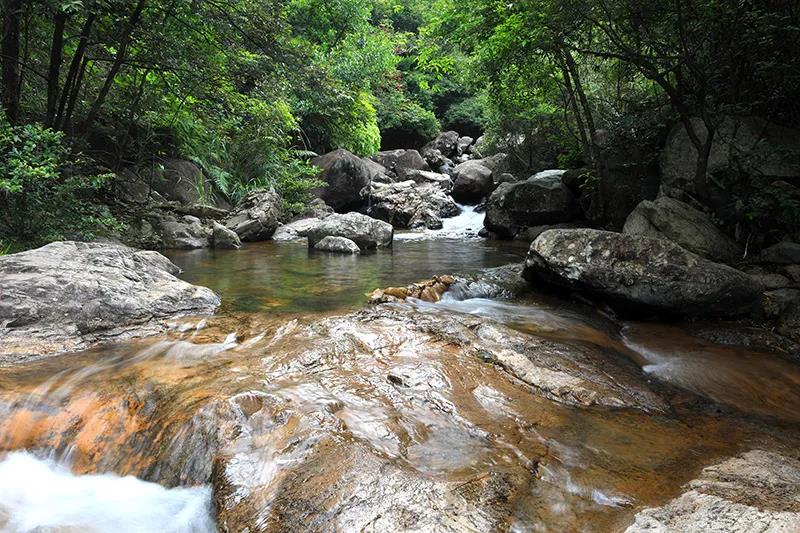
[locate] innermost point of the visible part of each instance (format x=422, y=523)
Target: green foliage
x=404, y=122
x=45, y=191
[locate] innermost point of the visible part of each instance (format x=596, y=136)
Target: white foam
x=37, y=495
x=466, y=224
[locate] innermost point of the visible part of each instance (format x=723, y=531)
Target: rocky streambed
x=494, y=406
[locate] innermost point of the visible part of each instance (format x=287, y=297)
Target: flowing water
x=307, y=418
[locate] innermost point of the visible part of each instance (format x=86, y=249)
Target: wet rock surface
x=640, y=273
x=67, y=295
x=755, y=491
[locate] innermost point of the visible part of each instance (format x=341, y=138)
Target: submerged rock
x=681, y=223
x=256, y=217
x=367, y=232
x=758, y=491
x=635, y=273
x=340, y=245
x=428, y=291
x=67, y=295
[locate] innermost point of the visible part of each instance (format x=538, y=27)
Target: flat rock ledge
x=757, y=491
x=65, y=296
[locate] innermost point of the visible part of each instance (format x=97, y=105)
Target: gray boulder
x=783, y=253
x=366, y=232
x=345, y=175
x=423, y=176
x=640, y=274
x=444, y=146
x=377, y=172
x=68, y=295
x=184, y=182
x=256, y=217
x=751, y=144
x=185, y=233
x=399, y=162
x=224, y=238
x=464, y=144
x=407, y=204
x=679, y=222
x=472, y=182
x=296, y=230
x=497, y=163
x=340, y=245
x=540, y=200
x=757, y=491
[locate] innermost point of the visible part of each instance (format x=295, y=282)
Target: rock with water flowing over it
x=472, y=182
x=640, y=274
x=344, y=175
x=758, y=491
x=542, y=199
x=409, y=205
x=430, y=290
x=367, y=232
x=681, y=223
x=340, y=245
x=67, y=295
x=256, y=217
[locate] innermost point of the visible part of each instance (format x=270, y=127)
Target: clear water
x=288, y=277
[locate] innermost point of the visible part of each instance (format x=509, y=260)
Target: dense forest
x=250, y=91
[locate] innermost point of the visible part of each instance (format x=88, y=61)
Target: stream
x=287, y=412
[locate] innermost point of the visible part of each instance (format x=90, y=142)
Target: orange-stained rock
x=430, y=290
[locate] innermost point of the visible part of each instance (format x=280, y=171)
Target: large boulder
x=345, y=175
x=782, y=253
x=640, y=274
x=472, y=182
x=224, y=238
x=256, y=217
x=400, y=162
x=681, y=223
x=410, y=205
x=340, y=245
x=366, y=232
x=445, y=146
x=748, y=144
x=755, y=491
x=295, y=230
x=184, y=182
x=185, y=233
x=540, y=200
x=68, y=295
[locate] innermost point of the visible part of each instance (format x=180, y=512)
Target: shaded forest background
x=250, y=90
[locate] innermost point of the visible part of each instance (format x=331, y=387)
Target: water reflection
x=287, y=277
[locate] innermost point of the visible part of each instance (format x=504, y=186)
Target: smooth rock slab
x=757, y=491
x=67, y=295
x=635, y=273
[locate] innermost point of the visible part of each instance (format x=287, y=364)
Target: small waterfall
x=465, y=225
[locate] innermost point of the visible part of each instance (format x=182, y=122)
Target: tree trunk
x=584, y=103
x=66, y=122
x=73, y=80
x=54, y=70
x=118, y=60
x=9, y=49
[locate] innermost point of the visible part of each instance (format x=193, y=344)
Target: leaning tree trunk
x=54, y=70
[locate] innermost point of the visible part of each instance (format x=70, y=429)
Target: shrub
x=45, y=189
